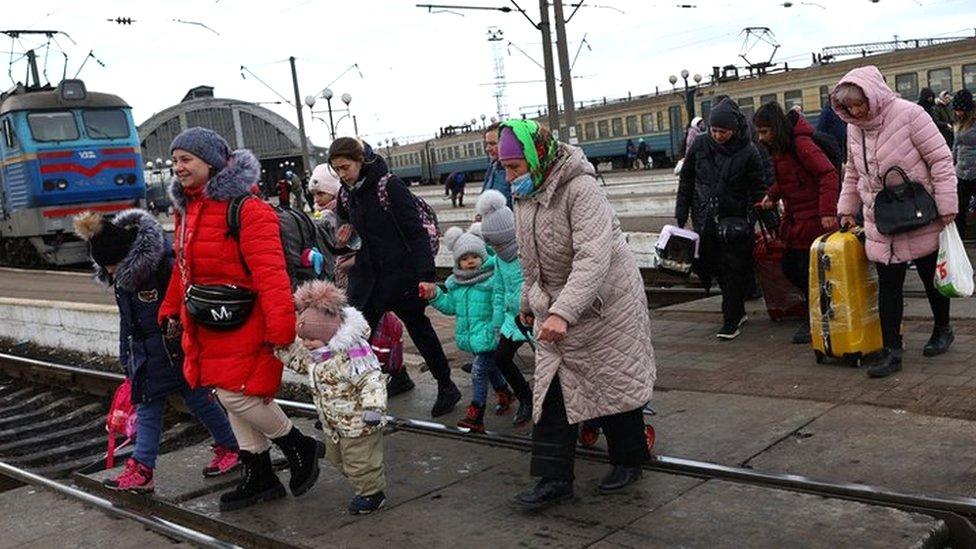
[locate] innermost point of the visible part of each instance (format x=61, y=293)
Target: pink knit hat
x=509, y=147
x=323, y=180
x=320, y=306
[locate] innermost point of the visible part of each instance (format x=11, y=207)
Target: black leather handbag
x=734, y=229
x=903, y=208
x=219, y=306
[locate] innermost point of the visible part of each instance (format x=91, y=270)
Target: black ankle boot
x=619, y=477
x=448, y=396
x=399, y=383
x=258, y=483
x=942, y=338
x=890, y=363
x=523, y=414
x=303, y=454
x=548, y=491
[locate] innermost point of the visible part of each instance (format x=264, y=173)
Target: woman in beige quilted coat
x=584, y=297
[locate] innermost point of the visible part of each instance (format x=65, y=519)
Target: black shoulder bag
x=733, y=228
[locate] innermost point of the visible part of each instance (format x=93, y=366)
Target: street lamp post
x=689, y=91
x=328, y=95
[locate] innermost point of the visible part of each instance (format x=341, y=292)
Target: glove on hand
x=372, y=418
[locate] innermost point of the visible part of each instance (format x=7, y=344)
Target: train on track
x=661, y=118
x=63, y=150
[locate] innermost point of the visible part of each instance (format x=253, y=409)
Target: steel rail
x=955, y=510
x=156, y=524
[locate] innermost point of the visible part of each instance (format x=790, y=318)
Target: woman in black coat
x=394, y=259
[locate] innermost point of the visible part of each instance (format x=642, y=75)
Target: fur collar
x=236, y=179
x=144, y=256
x=353, y=332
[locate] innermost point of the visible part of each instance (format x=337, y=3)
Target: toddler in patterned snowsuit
x=348, y=387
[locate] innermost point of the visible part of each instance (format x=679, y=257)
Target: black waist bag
x=219, y=306
x=903, y=208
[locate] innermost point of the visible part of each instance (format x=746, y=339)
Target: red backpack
x=387, y=343
x=121, y=420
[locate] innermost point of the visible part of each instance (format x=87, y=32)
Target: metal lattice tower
x=495, y=36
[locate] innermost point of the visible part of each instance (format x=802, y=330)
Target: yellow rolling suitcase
x=844, y=322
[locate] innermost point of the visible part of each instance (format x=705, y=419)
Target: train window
x=940, y=80
x=52, y=126
x=907, y=85
x=589, y=132
x=748, y=107
x=471, y=151
x=604, y=127
x=105, y=124
x=767, y=98
x=660, y=121
x=793, y=98
x=969, y=77
x=618, y=127
x=632, y=125
x=457, y=151
x=706, y=109
x=9, y=135
x=824, y=96
x=647, y=122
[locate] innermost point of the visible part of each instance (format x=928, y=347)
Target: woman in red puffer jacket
x=238, y=363
x=807, y=183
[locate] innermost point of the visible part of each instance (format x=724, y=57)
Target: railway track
x=958, y=513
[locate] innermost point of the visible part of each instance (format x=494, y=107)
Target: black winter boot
x=619, y=477
x=258, y=483
x=448, y=396
x=942, y=338
x=523, y=414
x=802, y=334
x=303, y=454
x=399, y=383
x=890, y=363
x=549, y=491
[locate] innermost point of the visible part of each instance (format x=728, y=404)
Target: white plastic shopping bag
x=953, y=272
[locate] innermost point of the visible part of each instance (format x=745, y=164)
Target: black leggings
x=891, y=297
x=965, y=189
x=554, y=438
x=504, y=359
x=411, y=312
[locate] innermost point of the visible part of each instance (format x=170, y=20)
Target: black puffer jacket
x=707, y=162
x=395, y=255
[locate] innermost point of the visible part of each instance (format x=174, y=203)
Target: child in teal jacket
x=498, y=229
x=469, y=297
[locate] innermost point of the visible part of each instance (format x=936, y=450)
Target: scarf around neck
x=470, y=277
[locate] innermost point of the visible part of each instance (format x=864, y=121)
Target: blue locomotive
x=63, y=150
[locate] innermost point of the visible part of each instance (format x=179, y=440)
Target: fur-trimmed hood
x=144, y=255
x=241, y=172
x=353, y=332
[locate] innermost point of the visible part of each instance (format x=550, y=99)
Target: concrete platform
x=719, y=514
x=38, y=519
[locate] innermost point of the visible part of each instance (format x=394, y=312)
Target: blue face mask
x=523, y=185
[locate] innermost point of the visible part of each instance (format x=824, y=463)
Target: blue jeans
x=149, y=423
x=483, y=371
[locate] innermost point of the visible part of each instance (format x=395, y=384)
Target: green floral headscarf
x=539, y=147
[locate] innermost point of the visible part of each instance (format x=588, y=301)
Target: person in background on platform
x=349, y=389
x=944, y=116
x=631, y=155
x=695, y=129
x=808, y=185
x=964, y=153
x=238, y=363
x=888, y=131
x=132, y=254
x=831, y=124
x=394, y=259
x=469, y=298
x=722, y=177
x=454, y=187
x=643, y=155
x=584, y=297
x=495, y=175
x=498, y=229
x=940, y=114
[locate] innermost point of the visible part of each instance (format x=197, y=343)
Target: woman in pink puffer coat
x=884, y=131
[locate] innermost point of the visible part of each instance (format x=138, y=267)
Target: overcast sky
x=421, y=71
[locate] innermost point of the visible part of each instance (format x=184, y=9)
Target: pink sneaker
x=224, y=461
x=135, y=477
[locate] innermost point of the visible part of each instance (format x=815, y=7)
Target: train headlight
x=120, y=179
x=55, y=184
x=62, y=184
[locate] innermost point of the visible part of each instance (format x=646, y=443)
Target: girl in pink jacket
x=885, y=131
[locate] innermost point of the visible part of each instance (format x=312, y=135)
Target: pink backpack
x=387, y=343
x=121, y=420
